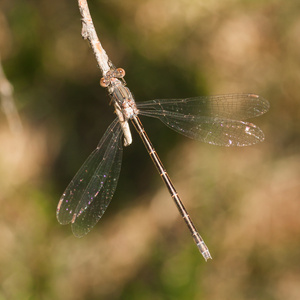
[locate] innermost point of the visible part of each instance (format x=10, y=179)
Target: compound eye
x=120, y=73
x=103, y=82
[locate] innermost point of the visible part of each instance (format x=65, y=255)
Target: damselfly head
x=119, y=73
x=104, y=82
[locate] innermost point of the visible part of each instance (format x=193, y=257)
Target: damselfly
x=213, y=119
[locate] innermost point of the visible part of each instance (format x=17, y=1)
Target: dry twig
x=8, y=103
x=88, y=32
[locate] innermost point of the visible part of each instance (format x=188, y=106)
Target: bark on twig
x=88, y=32
x=8, y=103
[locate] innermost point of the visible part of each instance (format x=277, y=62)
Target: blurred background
x=244, y=201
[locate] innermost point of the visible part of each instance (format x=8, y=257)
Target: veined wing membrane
x=212, y=119
x=106, y=176
x=232, y=106
x=87, y=193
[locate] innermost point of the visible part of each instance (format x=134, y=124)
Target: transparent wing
x=89, y=193
x=232, y=106
x=213, y=119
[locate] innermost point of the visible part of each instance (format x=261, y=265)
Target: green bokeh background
x=244, y=201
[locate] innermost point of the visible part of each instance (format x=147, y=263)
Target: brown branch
x=88, y=32
x=8, y=103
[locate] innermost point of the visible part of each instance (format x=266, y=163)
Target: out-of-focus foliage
x=245, y=201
